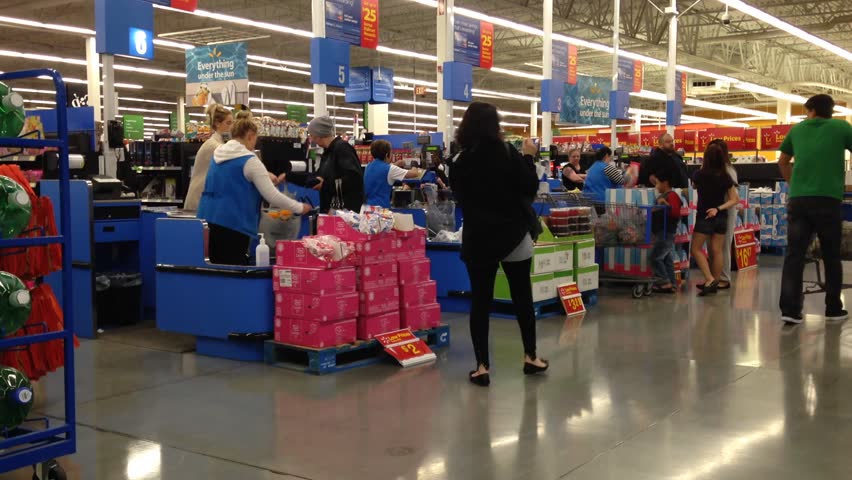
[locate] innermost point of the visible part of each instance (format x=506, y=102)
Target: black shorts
x=717, y=225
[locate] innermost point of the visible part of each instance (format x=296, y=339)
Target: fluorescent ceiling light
x=279, y=102
x=406, y=53
x=41, y=102
x=169, y=43
x=134, y=109
x=243, y=22
x=750, y=87
x=789, y=28
x=80, y=81
x=505, y=95
x=288, y=63
x=396, y=122
x=131, y=99
x=517, y=73
x=693, y=102
x=48, y=26
x=280, y=68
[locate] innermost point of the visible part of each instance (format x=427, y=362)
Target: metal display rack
x=41, y=443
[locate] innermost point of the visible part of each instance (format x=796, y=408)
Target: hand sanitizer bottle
x=261, y=253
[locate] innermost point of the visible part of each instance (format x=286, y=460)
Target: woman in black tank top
x=573, y=175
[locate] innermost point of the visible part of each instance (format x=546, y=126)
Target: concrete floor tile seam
x=189, y=450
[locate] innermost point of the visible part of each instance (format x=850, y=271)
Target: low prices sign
x=408, y=349
x=772, y=137
x=353, y=21
x=751, y=138
x=689, y=140
x=733, y=136
x=745, y=247
x=571, y=298
x=473, y=42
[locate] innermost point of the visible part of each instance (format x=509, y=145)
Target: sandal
x=657, y=289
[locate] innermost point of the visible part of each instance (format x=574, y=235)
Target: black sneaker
x=792, y=319
x=836, y=317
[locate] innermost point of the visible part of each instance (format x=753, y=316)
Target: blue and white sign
x=466, y=39
x=329, y=62
x=124, y=27
x=619, y=105
x=382, y=85
x=217, y=74
x=625, y=74
x=343, y=20
x=559, y=63
x=587, y=102
x=458, y=81
x=142, y=43
x=551, y=95
x=359, y=89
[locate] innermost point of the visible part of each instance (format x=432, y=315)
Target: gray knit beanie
x=321, y=127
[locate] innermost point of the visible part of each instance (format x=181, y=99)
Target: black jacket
x=495, y=187
x=340, y=162
x=660, y=160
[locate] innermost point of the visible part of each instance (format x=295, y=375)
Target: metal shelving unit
x=41, y=444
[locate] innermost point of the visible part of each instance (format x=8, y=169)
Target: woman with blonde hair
x=220, y=120
x=236, y=183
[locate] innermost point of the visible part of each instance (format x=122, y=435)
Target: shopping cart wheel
x=50, y=470
x=648, y=290
x=638, y=290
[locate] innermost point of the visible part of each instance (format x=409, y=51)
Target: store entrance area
x=665, y=387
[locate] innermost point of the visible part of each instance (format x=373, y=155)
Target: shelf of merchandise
x=24, y=446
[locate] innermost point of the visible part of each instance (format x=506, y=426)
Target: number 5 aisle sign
x=572, y=299
x=745, y=247
x=405, y=347
x=353, y=21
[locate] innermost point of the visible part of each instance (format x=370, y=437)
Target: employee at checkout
x=381, y=175
x=236, y=183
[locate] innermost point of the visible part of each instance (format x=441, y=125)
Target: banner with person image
x=217, y=74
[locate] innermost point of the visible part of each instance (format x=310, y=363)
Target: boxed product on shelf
x=634, y=261
x=383, y=274
x=313, y=334
x=584, y=253
x=631, y=196
x=378, y=249
x=542, y=287
x=296, y=253
x=421, y=317
x=562, y=277
x=564, y=257
x=587, y=278
x=544, y=259
x=313, y=280
x=369, y=327
x=320, y=308
x=378, y=300
x=418, y=293
x=414, y=270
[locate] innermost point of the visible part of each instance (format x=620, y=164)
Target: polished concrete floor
x=671, y=387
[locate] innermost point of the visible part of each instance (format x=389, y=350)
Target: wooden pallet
x=342, y=357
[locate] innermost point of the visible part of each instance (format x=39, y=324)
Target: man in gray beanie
x=340, y=174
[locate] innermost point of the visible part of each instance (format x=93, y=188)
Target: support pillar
x=616, y=21
x=93, y=77
x=181, y=112
x=534, y=119
x=445, y=54
x=783, y=109
x=318, y=29
x=671, y=72
x=377, y=116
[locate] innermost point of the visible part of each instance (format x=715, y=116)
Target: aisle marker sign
x=407, y=348
x=572, y=64
x=745, y=248
x=571, y=298
x=630, y=74
x=559, y=64
x=355, y=22
x=473, y=42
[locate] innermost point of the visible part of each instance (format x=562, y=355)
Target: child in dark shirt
x=662, y=255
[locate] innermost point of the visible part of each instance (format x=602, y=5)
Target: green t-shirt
x=818, y=147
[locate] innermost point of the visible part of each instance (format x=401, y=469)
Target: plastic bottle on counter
x=15, y=208
x=12, y=115
x=261, y=253
x=15, y=304
x=16, y=397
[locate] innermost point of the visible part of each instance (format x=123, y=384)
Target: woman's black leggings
x=226, y=246
x=482, y=288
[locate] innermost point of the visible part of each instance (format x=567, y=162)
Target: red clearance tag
x=745, y=248
x=572, y=299
x=405, y=347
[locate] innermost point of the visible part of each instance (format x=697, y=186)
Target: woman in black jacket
x=495, y=186
x=340, y=174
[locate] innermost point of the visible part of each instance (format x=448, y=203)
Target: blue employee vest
x=597, y=183
x=229, y=200
x=376, y=186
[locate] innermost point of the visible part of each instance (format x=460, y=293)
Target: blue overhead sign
x=382, y=85
x=559, y=65
x=141, y=43
x=359, y=89
x=124, y=27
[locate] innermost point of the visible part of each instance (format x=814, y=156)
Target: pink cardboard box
x=377, y=275
x=292, y=253
x=313, y=280
x=315, y=334
x=334, y=225
x=421, y=293
x=421, y=317
x=318, y=308
x=414, y=270
x=375, y=250
x=369, y=327
x=379, y=300
x=412, y=244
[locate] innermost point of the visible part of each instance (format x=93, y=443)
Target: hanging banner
x=173, y=123
x=124, y=27
x=772, y=137
x=689, y=140
x=359, y=88
x=733, y=136
x=680, y=88
x=355, y=22
x=572, y=64
x=586, y=102
x=134, y=127
x=559, y=70
x=217, y=74
x=382, y=85
x=630, y=74
x=188, y=5
x=751, y=138
x=704, y=137
x=297, y=113
x=473, y=42
x=632, y=139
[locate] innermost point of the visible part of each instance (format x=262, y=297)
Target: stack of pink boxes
x=316, y=301
x=392, y=277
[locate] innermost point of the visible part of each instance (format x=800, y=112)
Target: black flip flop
x=657, y=289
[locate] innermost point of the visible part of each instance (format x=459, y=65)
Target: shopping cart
x=814, y=255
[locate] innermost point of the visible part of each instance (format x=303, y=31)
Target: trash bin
x=118, y=298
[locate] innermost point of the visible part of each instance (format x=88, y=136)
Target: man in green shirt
x=817, y=182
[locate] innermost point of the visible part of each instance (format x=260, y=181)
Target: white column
x=636, y=126
x=181, y=113
x=377, y=118
x=547, y=70
x=671, y=73
x=93, y=77
x=783, y=109
x=534, y=119
x=318, y=23
x=616, y=21
x=110, y=104
x=445, y=54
